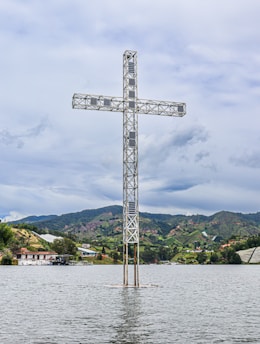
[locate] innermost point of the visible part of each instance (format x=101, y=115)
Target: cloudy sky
x=56, y=160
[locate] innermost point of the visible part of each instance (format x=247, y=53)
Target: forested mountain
x=168, y=229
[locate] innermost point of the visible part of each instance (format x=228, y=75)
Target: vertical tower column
x=130, y=164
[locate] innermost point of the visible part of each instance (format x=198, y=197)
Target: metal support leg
x=135, y=264
x=125, y=262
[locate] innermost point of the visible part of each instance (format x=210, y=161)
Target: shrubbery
x=6, y=235
x=7, y=259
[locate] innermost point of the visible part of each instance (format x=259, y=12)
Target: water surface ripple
x=78, y=305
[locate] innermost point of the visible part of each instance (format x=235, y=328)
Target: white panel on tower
x=131, y=67
x=131, y=94
x=107, y=102
x=93, y=101
x=132, y=82
x=180, y=108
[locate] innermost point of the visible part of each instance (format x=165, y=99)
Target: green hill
x=106, y=222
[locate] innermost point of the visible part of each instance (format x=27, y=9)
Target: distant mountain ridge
x=34, y=219
x=107, y=221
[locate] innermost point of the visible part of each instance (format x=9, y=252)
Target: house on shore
x=85, y=252
x=25, y=257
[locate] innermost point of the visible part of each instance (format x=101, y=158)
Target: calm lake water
x=76, y=304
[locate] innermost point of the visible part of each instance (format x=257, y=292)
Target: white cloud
x=56, y=160
x=13, y=216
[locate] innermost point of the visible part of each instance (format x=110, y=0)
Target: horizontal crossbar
x=118, y=104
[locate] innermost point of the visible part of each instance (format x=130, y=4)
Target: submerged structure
x=131, y=106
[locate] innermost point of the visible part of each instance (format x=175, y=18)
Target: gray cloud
x=7, y=138
x=251, y=160
x=73, y=160
x=189, y=136
x=201, y=155
x=18, y=140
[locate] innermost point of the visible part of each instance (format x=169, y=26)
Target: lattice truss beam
x=118, y=104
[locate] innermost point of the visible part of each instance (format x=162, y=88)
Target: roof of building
x=24, y=250
x=85, y=250
x=49, y=237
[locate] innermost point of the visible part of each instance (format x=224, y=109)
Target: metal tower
x=131, y=106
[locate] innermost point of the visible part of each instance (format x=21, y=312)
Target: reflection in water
x=128, y=327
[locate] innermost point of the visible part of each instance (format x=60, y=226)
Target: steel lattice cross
x=130, y=105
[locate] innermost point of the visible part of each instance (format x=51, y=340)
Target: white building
x=86, y=252
x=26, y=257
x=47, y=237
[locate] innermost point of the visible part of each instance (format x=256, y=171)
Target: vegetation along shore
x=95, y=237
